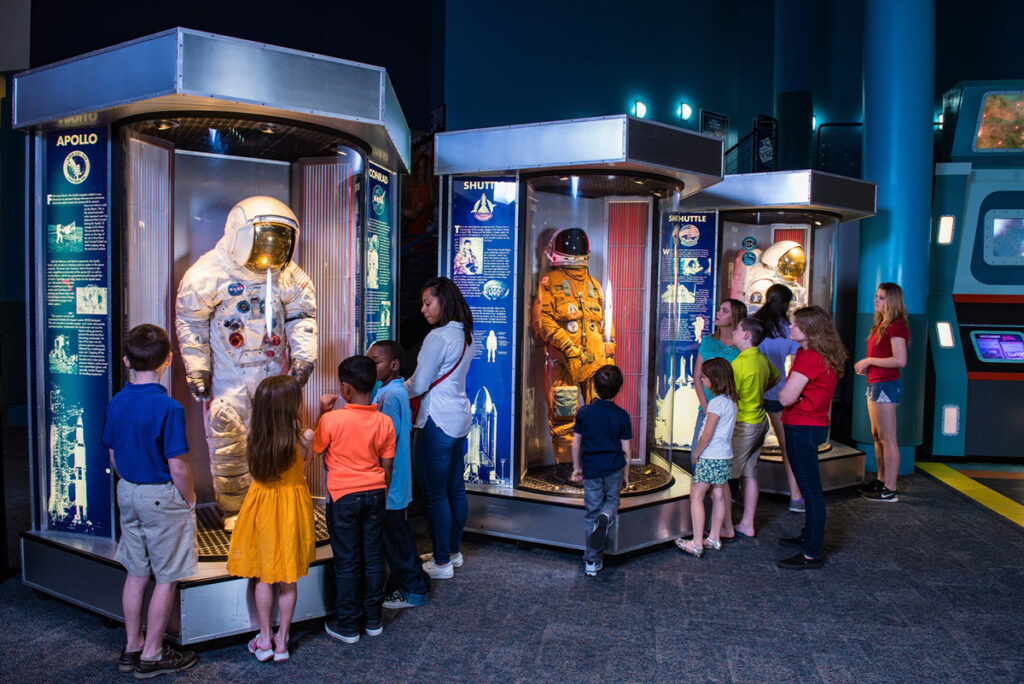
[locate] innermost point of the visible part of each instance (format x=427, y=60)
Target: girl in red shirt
x=887, y=353
x=807, y=398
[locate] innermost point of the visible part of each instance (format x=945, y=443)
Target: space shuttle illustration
x=482, y=440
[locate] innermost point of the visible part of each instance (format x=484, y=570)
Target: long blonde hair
x=821, y=335
x=893, y=310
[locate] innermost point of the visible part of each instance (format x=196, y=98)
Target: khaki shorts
x=158, y=532
x=747, y=440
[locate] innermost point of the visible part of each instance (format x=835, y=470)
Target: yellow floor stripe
x=989, y=498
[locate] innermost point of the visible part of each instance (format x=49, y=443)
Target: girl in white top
x=712, y=457
x=443, y=420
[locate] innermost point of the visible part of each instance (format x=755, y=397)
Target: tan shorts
x=158, y=532
x=747, y=440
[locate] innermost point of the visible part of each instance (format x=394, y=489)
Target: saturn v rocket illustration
x=483, y=442
x=69, y=501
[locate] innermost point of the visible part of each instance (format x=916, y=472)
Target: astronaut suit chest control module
x=245, y=311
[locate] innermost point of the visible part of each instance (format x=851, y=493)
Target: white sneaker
x=591, y=569
x=456, y=558
x=435, y=571
x=375, y=631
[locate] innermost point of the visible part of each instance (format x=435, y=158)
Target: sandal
x=687, y=546
x=279, y=656
x=262, y=654
x=715, y=544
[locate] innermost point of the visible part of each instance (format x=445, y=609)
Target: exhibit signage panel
x=378, y=285
x=76, y=329
x=481, y=261
x=687, y=304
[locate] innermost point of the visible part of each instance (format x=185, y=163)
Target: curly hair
x=821, y=335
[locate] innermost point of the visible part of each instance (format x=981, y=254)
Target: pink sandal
x=262, y=654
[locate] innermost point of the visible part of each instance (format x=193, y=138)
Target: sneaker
x=592, y=568
x=170, y=661
x=599, y=535
x=333, y=630
x=128, y=661
x=884, y=494
x=374, y=631
x=797, y=506
x=446, y=571
x=869, y=487
x=398, y=599
x=456, y=558
x=800, y=562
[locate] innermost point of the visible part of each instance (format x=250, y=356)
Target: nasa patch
x=235, y=289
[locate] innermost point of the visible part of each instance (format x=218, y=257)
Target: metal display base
x=840, y=466
x=210, y=605
x=644, y=520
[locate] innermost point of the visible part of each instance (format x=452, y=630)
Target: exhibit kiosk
x=568, y=241
x=242, y=197
x=782, y=227
x=975, y=376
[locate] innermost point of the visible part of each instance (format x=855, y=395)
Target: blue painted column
x=899, y=93
x=794, y=105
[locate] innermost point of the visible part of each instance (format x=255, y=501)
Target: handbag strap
x=450, y=370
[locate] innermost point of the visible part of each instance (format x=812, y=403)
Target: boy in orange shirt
x=359, y=442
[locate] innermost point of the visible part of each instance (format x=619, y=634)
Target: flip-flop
x=745, y=536
x=262, y=654
x=727, y=540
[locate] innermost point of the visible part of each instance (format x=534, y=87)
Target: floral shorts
x=713, y=470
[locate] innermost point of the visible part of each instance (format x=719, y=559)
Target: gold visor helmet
x=261, y=234
x=787, y=258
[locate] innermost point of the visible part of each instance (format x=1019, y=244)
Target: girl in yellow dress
x=274, y=539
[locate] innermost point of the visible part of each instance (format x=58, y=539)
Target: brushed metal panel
x=230, y=69
x=127, y=72
x=842, y=466
x=73, y=575
x=540, y=145
x=853, y=194
x=668, y=146
x=398, y=130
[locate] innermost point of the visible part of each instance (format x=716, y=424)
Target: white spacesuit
x=783, y=262
x=239, y=307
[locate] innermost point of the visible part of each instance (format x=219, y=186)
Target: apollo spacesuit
x=239, y=307
x=569, y=318
x=783, y=262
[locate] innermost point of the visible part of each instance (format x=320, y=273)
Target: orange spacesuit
x=569, y=317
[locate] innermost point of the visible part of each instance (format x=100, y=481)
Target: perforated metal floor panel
x=212, y=541
x=643, y=479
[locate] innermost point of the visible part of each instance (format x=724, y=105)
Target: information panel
x=686, y=288
x=76, y=329
x=378, y=284
x=481, y=256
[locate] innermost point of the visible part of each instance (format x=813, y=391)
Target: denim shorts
x=889, y=392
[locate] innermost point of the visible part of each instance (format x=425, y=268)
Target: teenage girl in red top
x=887, y=353
x=807, y=398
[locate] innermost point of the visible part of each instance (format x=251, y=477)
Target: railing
x=756, y=151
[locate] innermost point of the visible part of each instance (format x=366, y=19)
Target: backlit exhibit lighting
x=945, y=333
x=950, y=420
x=639, y=109
x=814, y=122
x=574, y=186
x=945, y=234
x=685, y=111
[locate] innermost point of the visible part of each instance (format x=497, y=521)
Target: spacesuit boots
x=569, y=317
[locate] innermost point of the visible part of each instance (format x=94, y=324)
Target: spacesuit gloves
x=300, y=370
x=199, y=384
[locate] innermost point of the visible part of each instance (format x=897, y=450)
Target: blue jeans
x=802, y=447
x=404, y=563
x=600, y=495
x=355, y=522
x=441, y=472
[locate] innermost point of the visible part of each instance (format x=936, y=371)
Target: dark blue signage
x=378, y=285
x=76, y=329
x=481, y=261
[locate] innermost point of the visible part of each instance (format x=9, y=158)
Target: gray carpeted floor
x=927, y=590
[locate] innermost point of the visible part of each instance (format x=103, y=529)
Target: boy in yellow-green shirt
x=754, y=375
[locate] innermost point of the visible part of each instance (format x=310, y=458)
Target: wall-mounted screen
x=1001, y=126
x=998, y=346
x=1004, y=237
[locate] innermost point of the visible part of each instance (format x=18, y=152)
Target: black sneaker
x=884, y=494
x=869, y=487
x=800, y=562
x=334, y=630
x=128, y=661
x=170, y=661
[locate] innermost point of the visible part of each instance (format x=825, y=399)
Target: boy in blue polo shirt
x=599, y=446
x=145, y=434
x=408, y=584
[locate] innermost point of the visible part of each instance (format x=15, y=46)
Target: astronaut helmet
x=786, y=258
x=569, y=247
x=261, y=233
